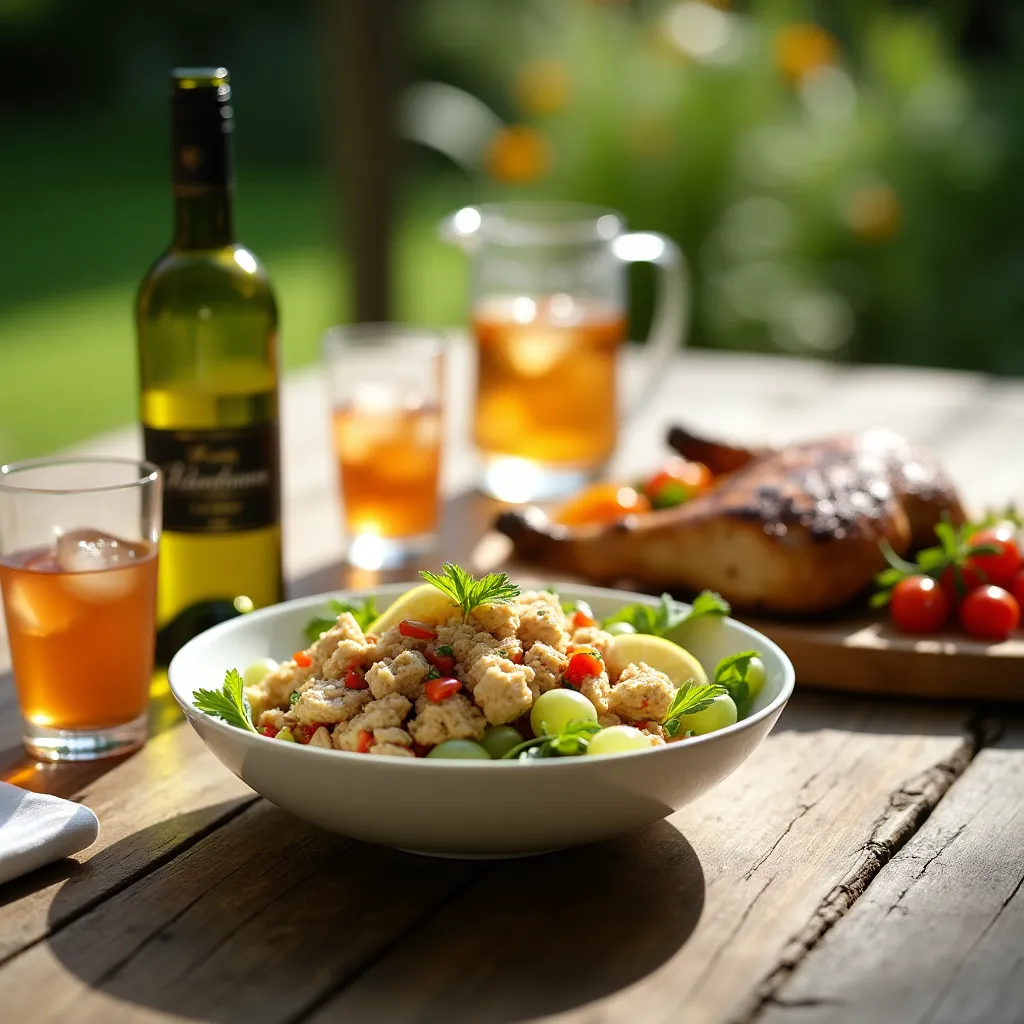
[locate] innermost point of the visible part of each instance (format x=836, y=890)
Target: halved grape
x=558, y=708
x=755, y=678
x=461, y=750
x=258, y=671
x=721, y=713
x=620, y=628
x=618, y=739
x=500, y=739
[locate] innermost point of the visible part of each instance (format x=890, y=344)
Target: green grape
x=558, y=708
x=286, y=735
x=500, y=739
x=619, y=628
x=460, y=750
x=618, y=739
x=721, y=713
x=755, y=679
x=258, y=671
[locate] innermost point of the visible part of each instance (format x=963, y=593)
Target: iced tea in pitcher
x=546, y=379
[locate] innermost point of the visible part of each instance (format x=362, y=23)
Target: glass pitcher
x=548, y=315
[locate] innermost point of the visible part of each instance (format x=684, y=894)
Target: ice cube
x=85, y=554
x=91, y=550
x=36, y=608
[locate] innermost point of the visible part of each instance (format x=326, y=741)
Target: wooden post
x=362, y=48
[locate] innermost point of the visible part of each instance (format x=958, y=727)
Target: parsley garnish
x=364, y=612
x=573, y=738
x=732, y=674
x=668, y=614
x=690, y=698
x=228, y=703
x=293, y=698
x=469, y=593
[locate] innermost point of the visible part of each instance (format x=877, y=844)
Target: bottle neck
x=203, y=218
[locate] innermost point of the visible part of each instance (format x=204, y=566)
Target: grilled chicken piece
x=791, y=530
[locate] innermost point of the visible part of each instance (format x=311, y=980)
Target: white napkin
x=36, y=829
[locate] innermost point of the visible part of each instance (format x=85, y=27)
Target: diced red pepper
x=302, y=659
x=365, y=742
x=640, y=725
x=302, y=733
x=354, y=680
x=585, y=661
x=517, y=658
x=438, y=689
x=416, y=630
x=270, y=731
x=580, y=620
x=442, y=658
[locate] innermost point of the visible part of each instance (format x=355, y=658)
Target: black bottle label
x=217, y=481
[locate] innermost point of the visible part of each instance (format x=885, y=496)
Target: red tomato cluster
x=985, y=592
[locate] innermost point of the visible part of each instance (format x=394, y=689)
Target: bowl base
x=480, y=856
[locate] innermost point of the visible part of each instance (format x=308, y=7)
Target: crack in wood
x=906, y=811
x=918, y=875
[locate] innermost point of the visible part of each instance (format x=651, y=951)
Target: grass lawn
x=88, y=221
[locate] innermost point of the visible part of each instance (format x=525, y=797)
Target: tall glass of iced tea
x=386, y=387
x=548, y=313
x=78, y=562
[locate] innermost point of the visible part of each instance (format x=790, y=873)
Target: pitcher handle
x=671, y=321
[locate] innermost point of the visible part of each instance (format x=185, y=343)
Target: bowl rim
x=774, y=707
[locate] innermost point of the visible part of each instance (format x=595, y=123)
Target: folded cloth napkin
x=36, y=829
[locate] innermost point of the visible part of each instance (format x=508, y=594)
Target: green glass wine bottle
x=206, y=323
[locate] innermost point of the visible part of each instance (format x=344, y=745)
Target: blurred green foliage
x=843, y=180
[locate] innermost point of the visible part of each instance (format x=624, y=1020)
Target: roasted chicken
x=791, y=530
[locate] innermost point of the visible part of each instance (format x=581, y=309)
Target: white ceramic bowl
x=472, y=808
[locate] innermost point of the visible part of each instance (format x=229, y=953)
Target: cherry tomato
x=354, y=680
x=270, y=731
x=580, y=620
x=438, y=689
x=1018, y=588
x=585, y=661
x=602, y=503
x=677, y=481
x=416, y=630
x=365, y=742
x=918, y=605
x=442, y=658
x=989, y=613
x=302, y=659
x=999, y=567
x=957, y=582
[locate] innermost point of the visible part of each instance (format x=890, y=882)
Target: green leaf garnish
x=669, y=613
x=569, y=741
x=229, y=703
x=469, y=593
x=731, y=673
x=690, y=698
x=364, y=612
x=293, y=698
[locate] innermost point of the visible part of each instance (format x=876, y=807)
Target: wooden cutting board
x=857, y=653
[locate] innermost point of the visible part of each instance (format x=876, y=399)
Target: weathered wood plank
x=151, y=806
x=939, y=935
x=836, y=782
x=251, y=924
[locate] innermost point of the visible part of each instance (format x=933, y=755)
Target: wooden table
x=864, y=865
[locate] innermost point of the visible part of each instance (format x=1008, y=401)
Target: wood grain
x=939, y=936
x=772, y=841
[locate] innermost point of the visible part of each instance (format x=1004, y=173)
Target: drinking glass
x=78, y=562
x=386, y=389
x=548, y=312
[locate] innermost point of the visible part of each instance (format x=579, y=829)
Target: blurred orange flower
x=541, y=87
x=800, y=50
x=517, y=154
x=874, y=213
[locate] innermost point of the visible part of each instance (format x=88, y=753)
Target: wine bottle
x=206, y=323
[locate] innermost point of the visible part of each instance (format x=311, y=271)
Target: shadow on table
x=315, y=927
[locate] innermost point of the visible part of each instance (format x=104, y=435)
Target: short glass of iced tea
x=386, y=386
x=78, y=562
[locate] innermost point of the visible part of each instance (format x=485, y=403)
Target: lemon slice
x=675, y=661
x=424, y=603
